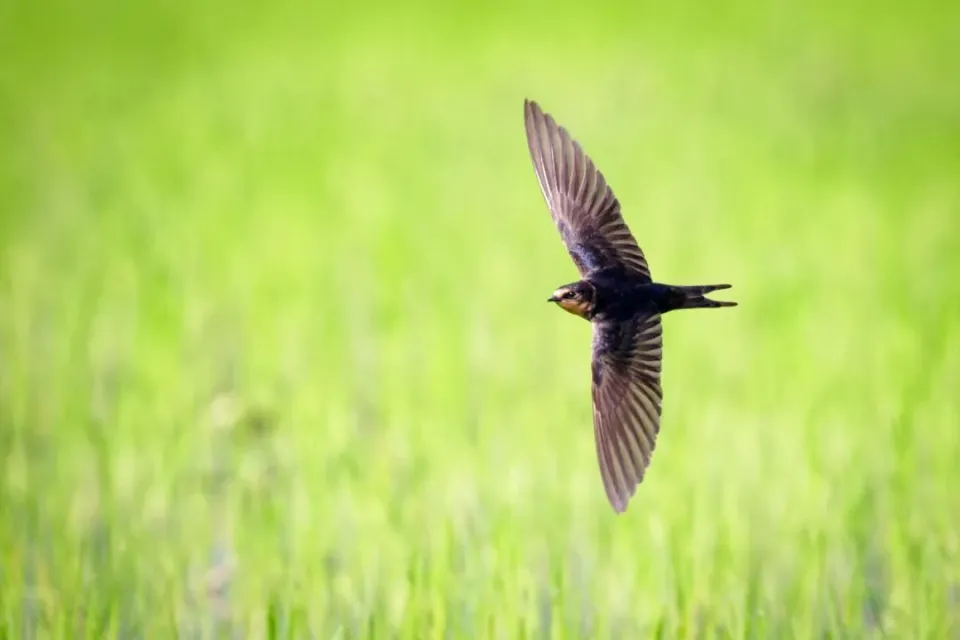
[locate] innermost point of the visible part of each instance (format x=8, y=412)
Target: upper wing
x=586, y=212
x=626, y=401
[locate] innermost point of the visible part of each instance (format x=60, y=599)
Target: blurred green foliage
x=274, y=356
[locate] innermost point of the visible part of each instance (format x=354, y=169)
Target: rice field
x=275, y=359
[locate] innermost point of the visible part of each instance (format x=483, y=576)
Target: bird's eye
x=569, y=294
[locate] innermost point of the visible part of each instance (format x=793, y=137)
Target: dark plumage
x=617, y=295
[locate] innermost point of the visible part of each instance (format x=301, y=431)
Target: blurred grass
x=274, y=357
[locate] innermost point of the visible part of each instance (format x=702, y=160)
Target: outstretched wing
x=626, y=401
x=584, y=208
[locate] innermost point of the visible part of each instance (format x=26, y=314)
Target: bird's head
x=576, y=298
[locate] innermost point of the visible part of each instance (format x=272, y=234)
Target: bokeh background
x=275, y=359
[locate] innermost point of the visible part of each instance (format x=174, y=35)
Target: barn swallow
x=617, y=296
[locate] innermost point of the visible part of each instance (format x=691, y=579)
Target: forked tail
x=694, y=297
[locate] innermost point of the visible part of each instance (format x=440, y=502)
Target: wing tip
x=619, y=505
x=619, y=486
x=531, y=109
x=621, y=501
x=534, y=113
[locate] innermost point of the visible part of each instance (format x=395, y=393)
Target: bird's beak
x=553, y=299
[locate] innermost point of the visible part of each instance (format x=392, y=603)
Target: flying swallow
x=617, y=296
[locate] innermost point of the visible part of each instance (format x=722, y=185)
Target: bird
x=617, y=295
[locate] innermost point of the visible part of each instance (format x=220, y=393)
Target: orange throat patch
x=576, y=307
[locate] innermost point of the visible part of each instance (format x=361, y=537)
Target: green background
x=275, y=357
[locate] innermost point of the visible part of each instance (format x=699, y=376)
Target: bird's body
x=617, y=295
